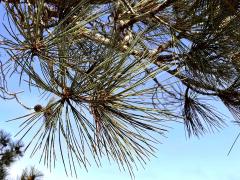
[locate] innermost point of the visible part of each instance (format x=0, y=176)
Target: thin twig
x=14, y=96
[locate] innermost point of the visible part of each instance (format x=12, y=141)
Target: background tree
x=31, y=174
x=9, y=152
x=116, y=71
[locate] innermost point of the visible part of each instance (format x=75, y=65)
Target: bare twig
x=14, y=96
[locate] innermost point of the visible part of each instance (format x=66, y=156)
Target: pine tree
x=117, y=70
x=31, y=174
x=9, y=152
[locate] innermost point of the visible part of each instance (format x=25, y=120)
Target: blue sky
x=177, y=158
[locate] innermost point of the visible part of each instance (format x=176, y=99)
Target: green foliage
x=114, y=72
x=31, y=174
x=9, y=152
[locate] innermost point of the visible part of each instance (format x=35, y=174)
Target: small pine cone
x=38, y=108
